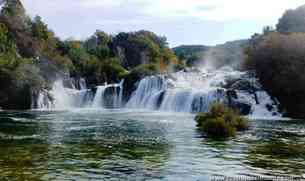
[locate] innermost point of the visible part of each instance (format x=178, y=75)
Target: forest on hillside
x=32, y=57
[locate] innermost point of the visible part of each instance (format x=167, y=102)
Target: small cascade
x=108, y=96
x=98, y=100
x=69, y=94
x=148, y=93
x=42, y=100
x=62, y=98
x=120, y=99
x=118, y=95
x=82, y=84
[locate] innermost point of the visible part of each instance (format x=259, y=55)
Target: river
x=97, y=144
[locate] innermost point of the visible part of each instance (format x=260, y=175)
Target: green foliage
x=143, y=47
x=98, y=45
x=6, y=42
x=292, y=21
x=221, y=122
x=145, y=70
x=31, y=56
x=18, y=78
x=113, y=70
x=191, y=54
x=98, y=72
x=13, y=8
x=279, y=62
x=39, y=29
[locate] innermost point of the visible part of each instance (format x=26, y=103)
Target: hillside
x=230, y=53
x=32, y=57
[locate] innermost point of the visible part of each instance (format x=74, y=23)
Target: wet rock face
x=233, y=102
x=16, y=98
x=246, y=93
x=130, y=85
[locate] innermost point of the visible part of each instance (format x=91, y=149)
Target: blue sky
x=206, y=22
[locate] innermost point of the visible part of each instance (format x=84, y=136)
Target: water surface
x=128, y=145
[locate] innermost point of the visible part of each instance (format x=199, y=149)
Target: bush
x=145, y=70
x=279, y=63
x=292, y=21
x=221, y=122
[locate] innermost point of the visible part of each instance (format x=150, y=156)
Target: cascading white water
x=42, y=101
x=62, y=98
x=158, y=93
x=195, y=91
x=192, y=91
x=118, y=95
x=99, y=97
x=120, y=100
x=82, y=84
x=147, y=93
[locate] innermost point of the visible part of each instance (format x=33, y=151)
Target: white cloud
x=222, y=10
x=219, y=10
x=214, y=21
x=211, y=10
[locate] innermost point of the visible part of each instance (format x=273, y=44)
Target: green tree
x=292, y=21
x=279, y=62
x=40, y=29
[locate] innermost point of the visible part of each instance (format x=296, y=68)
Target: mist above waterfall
x=229, y=54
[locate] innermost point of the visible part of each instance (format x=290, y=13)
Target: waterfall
x=108, y=96
x=78, y=96
x=62, y=98
x=82, y=84
x=192, y=91
x=118, y=96
x=120, y=101
x=42, y=100
x=147, y=93
x=158, y=93
x=195, y=91
x=98, y=100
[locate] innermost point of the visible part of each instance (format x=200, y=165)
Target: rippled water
x=128, y=145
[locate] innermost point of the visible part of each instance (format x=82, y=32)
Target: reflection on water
x=121, y=144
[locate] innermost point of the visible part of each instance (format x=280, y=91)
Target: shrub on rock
x=221, y=122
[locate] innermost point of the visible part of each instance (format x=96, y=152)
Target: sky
x=207, y=22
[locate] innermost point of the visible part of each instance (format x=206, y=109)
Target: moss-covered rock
x=221, y=122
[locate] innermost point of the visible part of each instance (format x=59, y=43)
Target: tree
x=40, y=29
x=292, y=21
x=98, y=44
x=279, y=62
